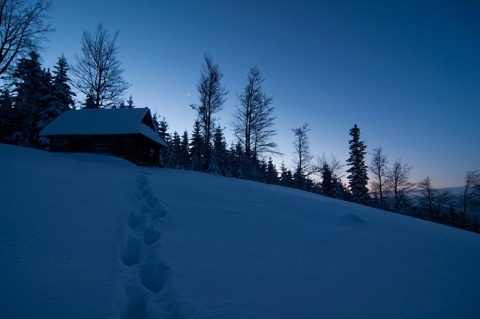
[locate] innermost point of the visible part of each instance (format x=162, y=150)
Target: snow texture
x=92, y=236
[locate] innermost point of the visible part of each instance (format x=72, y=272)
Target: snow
x=92, y=236
x=102, y=122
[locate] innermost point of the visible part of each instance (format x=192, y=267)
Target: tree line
x=33, y=96
x=253, y=126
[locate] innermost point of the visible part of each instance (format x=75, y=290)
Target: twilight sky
x=406, y=72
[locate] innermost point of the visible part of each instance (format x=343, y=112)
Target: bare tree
x=442, y=198
x=436, y=200
x=428, y=193
x=98, y=70
x=378, y=167
x=253, y=119
x=302, y=155
x=212, y=97
x=398, y=182
x=470, y=191
x=23, y=27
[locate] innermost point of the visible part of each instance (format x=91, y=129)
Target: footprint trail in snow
x=146, y=274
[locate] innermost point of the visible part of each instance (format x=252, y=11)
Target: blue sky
x=406, y=72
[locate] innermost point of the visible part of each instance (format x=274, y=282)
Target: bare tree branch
x=23, y=28
x=436, y=200
x=471, y=190
x=98, y=71
x=398, y=183
x=212, y=96
x=253, y=119
x=378, y=166
x=302, y=155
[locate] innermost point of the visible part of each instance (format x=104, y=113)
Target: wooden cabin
x=127, y=133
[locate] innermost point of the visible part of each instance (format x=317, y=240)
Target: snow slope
x=91, y=236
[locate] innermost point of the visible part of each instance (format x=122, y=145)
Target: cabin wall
x=60, y=144
x=134, y=148
x=148, y=152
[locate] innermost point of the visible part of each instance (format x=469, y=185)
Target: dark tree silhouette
x=98, y=71
x=23, y=28
x=471, y=190
x=62, y=92
x=435, y=200
x=398, y=184
x=197, y=149
x=378, y=167
x=358, y=178
x=212, y=96
x=32, y=98
x=253, y=118
x=302, y=155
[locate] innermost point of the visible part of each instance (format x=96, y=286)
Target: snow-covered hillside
x=91, y=236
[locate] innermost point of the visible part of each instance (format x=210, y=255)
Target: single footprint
x=136, y=304
x=150, y=235
x=154, y=275
x=135, y=219
x=130, y=255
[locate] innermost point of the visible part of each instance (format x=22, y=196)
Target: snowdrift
x=91, y=236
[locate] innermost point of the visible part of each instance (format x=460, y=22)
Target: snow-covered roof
x=104, y=122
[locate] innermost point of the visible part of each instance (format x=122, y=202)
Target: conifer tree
x=331, y=173
x=358, y=178
x=327, y=181
x=218, y=162
x=162, y=127
x=272, y=173
x=121, y=105
x=7, y=126
x=197, y=148
x=89, y=102
x=33, y=96
x=286, y=176
x=260, y=173
x=242, y=164
x=167, y=153
x=62, y=92
x=289, y=179
x=130, y=104
x=61, y=96
x=6, y=100
x=48, y=110
x=229, y=161
x=233, y=159
x=331, y=185
x=184, y=151
x=175, y=151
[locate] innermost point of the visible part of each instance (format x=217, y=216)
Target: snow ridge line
x=146, y=274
